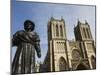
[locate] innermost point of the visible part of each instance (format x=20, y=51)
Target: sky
x=40, y=14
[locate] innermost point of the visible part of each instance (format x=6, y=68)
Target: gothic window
x=87, y=32
x=57, y=30
x=61, y=31
x=84, y=33
x=76, y=54
x=62, y=64
x=93, y=61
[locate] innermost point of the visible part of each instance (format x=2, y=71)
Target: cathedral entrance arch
x=82, y=66
x=62, y=64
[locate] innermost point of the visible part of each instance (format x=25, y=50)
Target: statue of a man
x=27, y=41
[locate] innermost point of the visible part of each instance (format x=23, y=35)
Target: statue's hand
x=39, y=54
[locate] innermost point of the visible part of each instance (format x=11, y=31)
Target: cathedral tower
x=83, y=35
x=57, y=45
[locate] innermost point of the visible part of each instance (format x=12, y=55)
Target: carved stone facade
x=64, y=54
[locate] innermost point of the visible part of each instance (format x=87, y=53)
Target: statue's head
x=29, y=25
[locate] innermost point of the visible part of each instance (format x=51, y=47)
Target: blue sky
x=40, y=14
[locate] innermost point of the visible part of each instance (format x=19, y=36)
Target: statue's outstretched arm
x=37, y=46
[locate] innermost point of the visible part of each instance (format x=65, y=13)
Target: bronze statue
x=27, y=42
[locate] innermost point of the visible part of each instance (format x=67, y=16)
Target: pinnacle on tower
x=86, y=22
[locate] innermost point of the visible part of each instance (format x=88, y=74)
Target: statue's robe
x=27, y=43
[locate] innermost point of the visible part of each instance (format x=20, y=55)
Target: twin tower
x=67, y=55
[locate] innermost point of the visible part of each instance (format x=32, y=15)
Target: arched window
x=87, y=30
x=93, y=61
x=61, y=31
x=57, y=31
x=84, y=31
x=62, y=64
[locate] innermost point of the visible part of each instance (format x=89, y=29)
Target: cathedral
x=69, y=55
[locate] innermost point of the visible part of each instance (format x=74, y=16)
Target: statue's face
x=29, y=27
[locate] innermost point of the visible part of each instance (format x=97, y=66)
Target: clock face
x=76, y=54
